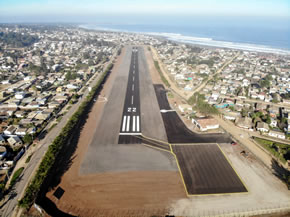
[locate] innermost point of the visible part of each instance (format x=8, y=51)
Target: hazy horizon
x=90, y=11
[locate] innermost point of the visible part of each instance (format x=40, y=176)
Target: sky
x=113, y=10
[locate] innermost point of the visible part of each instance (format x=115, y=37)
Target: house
x=231, y=115
x=21, y=131
x=262, y=127
x=273, y=122
x=244, y=122
x=20, y=95
x=185, y=107
x=10, y=130
x=277, y=134
x=14, y=141
x=205, y=124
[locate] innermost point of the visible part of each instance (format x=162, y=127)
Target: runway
x=131, y=120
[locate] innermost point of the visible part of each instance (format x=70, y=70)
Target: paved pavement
x=104, y=153
x=8, y=206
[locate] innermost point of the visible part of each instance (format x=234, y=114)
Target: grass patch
x=59, y=119
x=161, y=74
x=28, y=158
x=16, y=176
x=278, y=150
x=170, y=95
x=52, y=126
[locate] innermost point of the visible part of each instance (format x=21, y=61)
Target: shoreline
x=200, y=41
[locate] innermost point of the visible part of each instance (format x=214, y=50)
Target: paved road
x=30, y=169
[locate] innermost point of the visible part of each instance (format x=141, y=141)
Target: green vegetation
x=16, y=176
x=170, y=95
x=28, y=158
x=161, y=74
x=279, y=150
x=56, y=146
x=17, y=40
x=202, y=106
x=27, y=139
x=52, y=126
x=266, y=82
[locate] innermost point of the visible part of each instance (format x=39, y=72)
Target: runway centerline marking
x=132, y=100
x=132, y=87
x=133, y=78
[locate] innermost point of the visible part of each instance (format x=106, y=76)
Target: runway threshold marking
x=133, y=123
x=124, y=123
x=138, y=128
x=128, y=124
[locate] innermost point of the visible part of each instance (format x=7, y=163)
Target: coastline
x=200, y=41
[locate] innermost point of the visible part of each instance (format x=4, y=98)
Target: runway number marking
x=132, y=109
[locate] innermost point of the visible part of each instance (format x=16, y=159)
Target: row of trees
x=54, y=149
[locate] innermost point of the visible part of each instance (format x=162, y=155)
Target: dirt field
x=134, y=193
x=205, y=170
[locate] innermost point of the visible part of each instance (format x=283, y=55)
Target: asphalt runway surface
x=131, y=121
x=176, y=130
x=104, y=153
x=205, y=170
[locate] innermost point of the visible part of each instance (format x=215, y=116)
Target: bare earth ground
x=138, y=193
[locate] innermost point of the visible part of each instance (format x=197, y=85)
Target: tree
x=27, y=139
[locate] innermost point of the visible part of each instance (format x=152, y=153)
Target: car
x=234, y=143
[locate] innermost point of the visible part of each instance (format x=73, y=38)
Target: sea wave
x=200, y=40
x=225, y=44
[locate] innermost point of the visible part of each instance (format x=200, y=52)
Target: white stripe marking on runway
x=133, y=87
x=133, y=78
x=138, y=128
x=128, y=124
x=132, y=100
x=124, y=123
x=133, y=123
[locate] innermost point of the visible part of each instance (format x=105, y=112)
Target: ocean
x=260, y=35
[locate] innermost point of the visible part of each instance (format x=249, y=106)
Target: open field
x=205, y=170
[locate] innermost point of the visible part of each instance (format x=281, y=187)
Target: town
x=45, y=71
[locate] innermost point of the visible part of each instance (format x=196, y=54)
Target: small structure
x=205, y=124
x=185, y=107
x=277, y=134
x=262, y=127
x=244, y=122
x=15, y=142
x=10, y=130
